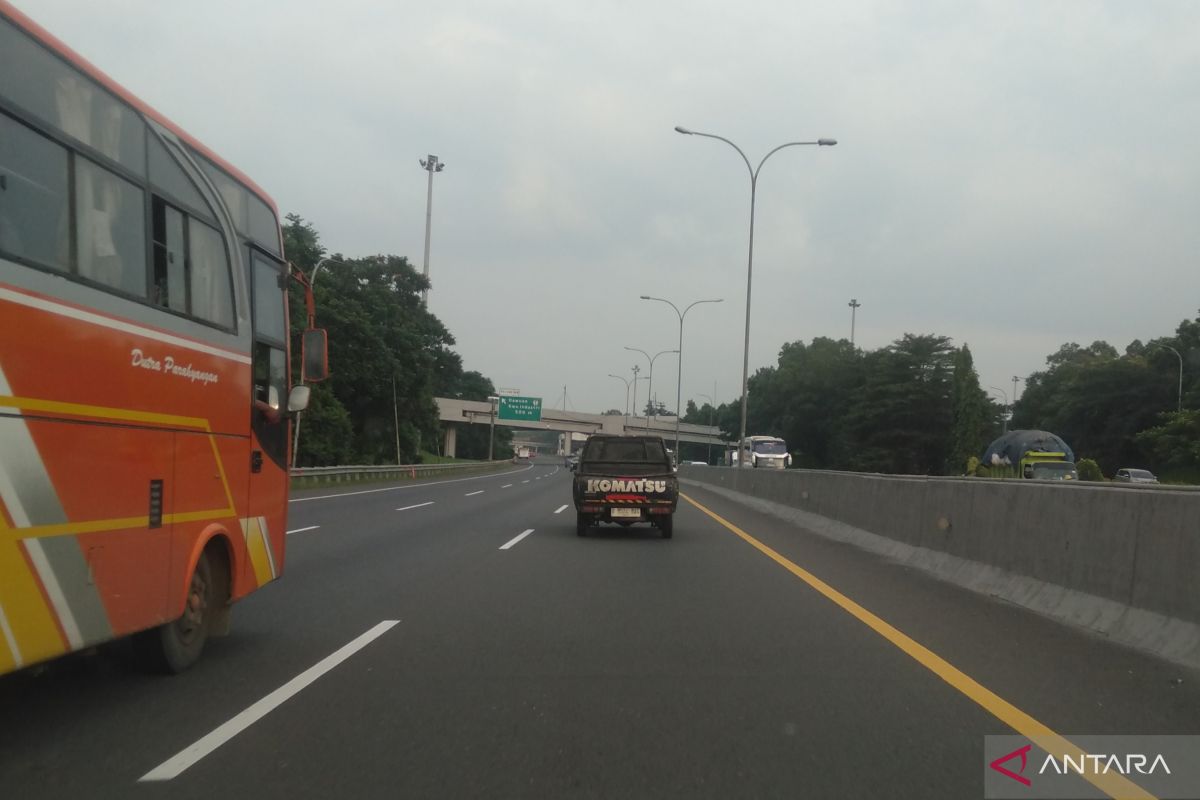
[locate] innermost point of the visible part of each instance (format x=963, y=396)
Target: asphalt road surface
x=456, y=639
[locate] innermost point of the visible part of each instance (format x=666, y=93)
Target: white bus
x=766, y=452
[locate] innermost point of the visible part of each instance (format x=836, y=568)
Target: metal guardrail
x=377, y=472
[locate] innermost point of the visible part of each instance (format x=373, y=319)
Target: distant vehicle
x=1030, y=454
x=623, y=480
x=1131, y=475
x=1048, y=467
x=766, y=452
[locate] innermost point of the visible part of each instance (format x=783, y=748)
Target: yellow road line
x=1112, y=784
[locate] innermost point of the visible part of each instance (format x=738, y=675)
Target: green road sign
x=528, y=409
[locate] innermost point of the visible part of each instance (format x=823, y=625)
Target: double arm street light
x=626, y=382
x=750, y=259
x=650, y=385
x=679, y=373
x=1179, y=401
x=312, y=280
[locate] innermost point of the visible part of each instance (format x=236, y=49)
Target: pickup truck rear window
x=633, y=451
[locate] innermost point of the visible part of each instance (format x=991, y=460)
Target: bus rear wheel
x=177, y=645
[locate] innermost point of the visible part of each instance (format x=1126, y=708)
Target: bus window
x=111, y=229
x=170, y=283
x=49, y=88
x=212, y=297
x=33, y=196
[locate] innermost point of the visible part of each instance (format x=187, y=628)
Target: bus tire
x=177, y=645
x=666, y=526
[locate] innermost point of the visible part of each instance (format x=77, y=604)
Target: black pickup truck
x=623, y=480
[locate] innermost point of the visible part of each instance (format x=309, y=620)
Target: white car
x=1131, y=475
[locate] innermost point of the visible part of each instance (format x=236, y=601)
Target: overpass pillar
x=451, y=440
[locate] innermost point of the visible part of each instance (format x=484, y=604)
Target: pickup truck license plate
x=631, y=513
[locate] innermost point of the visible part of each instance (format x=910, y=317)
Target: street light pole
x=650, y=385
x=491, y=423
x=750, y=256
x=312, y=279
x=636, y=370
x=712, y=407
x=1179, y=401
x=679, y=373
x=854, y=306
x=430, y=164
x=1004, y=419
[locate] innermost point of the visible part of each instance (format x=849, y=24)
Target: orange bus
x=145, y=394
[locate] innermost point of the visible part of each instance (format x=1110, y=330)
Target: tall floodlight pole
x=854, y=306
x=650, y=385
x=1179, y=401
x=430, y=164
x=750, y=258
x=626, y=382
x=312, y=279
x=679, y=372
x=1016, y=378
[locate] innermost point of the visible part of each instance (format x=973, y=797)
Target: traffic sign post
x=526, y=409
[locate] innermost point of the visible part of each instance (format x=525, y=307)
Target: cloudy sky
x=1014, y=175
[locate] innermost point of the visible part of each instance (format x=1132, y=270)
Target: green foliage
x=974, y=415
x=1088, y=470
x=1175, y=444
x=1098, y=401
x=389, y=357
x=901, y=420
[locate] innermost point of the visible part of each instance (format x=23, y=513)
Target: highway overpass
x=454, y=412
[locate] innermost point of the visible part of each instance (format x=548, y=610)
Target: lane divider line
x=410, y=486
x=524, y=481
x=472, y=494
x=185, y=758
x=509, y=544
x=1111, y=783
x=302, y=530
x=418, y=505
x=505, y=486
x=561, y=508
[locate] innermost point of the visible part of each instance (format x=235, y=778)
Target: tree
x=1175, y=443
x=973, y=414
x=901, y=420
x=389, y=356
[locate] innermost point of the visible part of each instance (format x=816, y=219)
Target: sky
x=1014, y=175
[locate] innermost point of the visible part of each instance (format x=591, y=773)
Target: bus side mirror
x=298, y=398
x=314, y=362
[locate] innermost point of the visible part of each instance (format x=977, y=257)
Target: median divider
x=306, y=477
x=1117, y=560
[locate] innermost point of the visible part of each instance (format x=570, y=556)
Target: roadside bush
x=1089, y=470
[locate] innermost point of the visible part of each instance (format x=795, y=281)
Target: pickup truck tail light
x=659, y=509
x=591, y=509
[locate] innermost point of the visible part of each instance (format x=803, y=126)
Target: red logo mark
x=1022, y=752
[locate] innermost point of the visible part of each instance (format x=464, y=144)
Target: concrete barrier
x=1117, y=560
